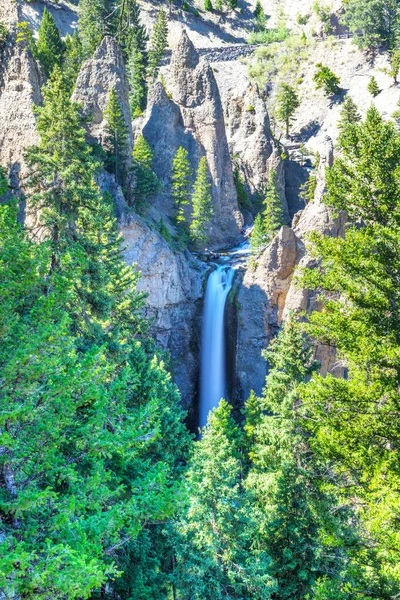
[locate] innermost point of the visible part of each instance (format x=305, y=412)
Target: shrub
x=325, y=78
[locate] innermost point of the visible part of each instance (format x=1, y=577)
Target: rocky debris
x=174, y=284
x=97, y=77
x=194, y=89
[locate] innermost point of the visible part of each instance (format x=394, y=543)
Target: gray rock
x=195, y=91
x=97, y=77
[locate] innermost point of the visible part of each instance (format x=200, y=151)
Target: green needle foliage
x=3, y=182
x=94, y=23
x=181, y=183
x=202, y=208
x=374, y=22
x=287, y=102
x=214, y=546
x=147, y=184
x=136, y=73
x=258, y=239
x=326, y=79
x=158, y=44
x=355, y=420
x=273, y=212
x=373, y=87
x=49, y=46
x=73, y=59
x=116, y=138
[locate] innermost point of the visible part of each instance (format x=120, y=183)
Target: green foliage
x=359, y=431
x=208, y=5
x=3, y=35
x=73, y=59
x=116, y=138
x=216, y=558
x=181, y=183
x=376, y=22
x=93, y=434
x=302, y=19
x=394, y=69
x=273, y=212
x=307, y=189
x=268, y=36
x=25, y=37
x=202, y=208
x=325, y=78
x=94, y=23
x=257, y=237
x=242, y=195
x=158, y=44
x=136, y=73
x=287, y=101
x=3, y=181
x=147, y=184
x=49, y=46
x=349, y=117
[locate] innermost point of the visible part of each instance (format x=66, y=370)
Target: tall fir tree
x=116, y=138
x=49, y=46
x=147, y=183
x=158, y=43
x=258, y=239
x=273, y=212
x=181, y=183
x=287, y=103
x=354, y=420
x=214, y=540
x=73, y=59
x=131, y=420
x=94, y=23
x=136, y=74
x=202, y=208
x=349, y=117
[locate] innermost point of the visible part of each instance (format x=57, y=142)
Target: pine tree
x=373, y=87
x=158, y=44
x=136, y=73
x=3, y=182
x=181, y=183
x=147, y=184
x=119, y=446
x=214, y=546
x=73, y=59
x=94, y=23
x=273, y=212
x=116, y=138
x=297, y=528
x=49, y=46
x=325, y=78
x=202, y=209
x=130, y=32
x=258, y=239
x=287, y=102
x=349, y=117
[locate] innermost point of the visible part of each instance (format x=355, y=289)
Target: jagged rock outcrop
x=250, y=139
x=194, y=89
x=19, y=91
x=97, y=77
x=268, y=293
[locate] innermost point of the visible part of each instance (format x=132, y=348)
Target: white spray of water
x=213, y=368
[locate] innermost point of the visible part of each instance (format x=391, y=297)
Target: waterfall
x=213, y=368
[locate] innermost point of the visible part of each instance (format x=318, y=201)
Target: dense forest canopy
x=104, y=491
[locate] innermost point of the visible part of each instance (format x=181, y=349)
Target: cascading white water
x=213, y=368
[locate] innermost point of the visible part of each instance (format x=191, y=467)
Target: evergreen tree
x=373, y=87
x=136, y=74
x=287, y=103
x=123, y=413
x=273, y=213
x=3, y=182
x=215, y=556
x=181, y=183
x=258, y=239
x=116, y=139
x=94, y=23
x=242, y=196
x=147, y=184
x=73, y=59
x=325, y=78
x=375, y=23
x=208, y=5
x=49, y=46
x=130, y=32
x=202, y=209
x=301, y=528
x=158, y=44
x=359, y=435
x=349, y=117
x=25, y=37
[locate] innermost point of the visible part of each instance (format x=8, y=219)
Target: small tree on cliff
x=136, y=73
x=49, y=46
x=257, y=238
x=181, y=182
x=287, y=103
x=202, y=204
x=116, y=141
x=147, y=184
x=373, y=87
x=158, y=44
x=325, y=78
x=273, y=213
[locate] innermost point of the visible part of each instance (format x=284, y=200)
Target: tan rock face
x=19, y=90
x=98, y=76
x=195, y=91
